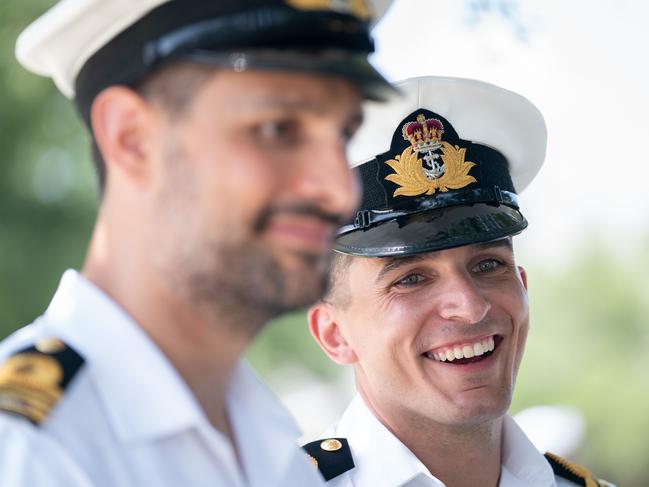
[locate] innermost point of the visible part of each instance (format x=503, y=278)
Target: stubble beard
x=236, y=283
x=245, y=285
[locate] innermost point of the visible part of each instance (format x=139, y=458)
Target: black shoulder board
x=32, y=380
x=331, y=456
x=573, y=472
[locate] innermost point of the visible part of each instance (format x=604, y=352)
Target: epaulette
x=331, y=456
x=33, y=379
x=574, y=472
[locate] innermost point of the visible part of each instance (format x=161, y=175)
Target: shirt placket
x=224, y=455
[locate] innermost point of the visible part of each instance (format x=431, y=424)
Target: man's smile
x=465, y=352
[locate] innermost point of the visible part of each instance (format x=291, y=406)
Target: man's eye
x=488, y=265
x=347, y=133
x=278, y=130
x=410, y=280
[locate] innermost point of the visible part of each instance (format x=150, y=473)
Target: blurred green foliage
x=589, y=332
x=588, y=348
x=46, y=189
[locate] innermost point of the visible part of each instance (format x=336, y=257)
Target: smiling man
x=427, y=302
x=220, y=130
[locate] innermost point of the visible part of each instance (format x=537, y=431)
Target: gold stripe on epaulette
x=28, y=409
x=31, y=395
x=28, y=395
x=575, y=469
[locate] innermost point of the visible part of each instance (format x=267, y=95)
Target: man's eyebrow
x=394, y=263
x=503, y=242
x=289, y=102
x=351, y=121
x=283, y=103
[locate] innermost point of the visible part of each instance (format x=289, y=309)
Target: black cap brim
x=439, y=229
x=344, y=64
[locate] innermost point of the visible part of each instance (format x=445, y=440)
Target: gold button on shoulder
x=331, y=445
x=50, y=345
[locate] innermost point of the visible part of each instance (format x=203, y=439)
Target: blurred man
x=426, y=300
x=220, y=131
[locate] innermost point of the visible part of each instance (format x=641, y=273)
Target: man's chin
x=305, y=278
x=475, y=414
x=254, y=282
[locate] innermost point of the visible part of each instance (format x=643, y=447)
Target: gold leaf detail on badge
x=356, y=8
x=409, y=172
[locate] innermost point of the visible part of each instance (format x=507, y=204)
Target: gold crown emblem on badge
x=425, y=134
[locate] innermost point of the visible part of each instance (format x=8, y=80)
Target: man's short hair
x=338, y=290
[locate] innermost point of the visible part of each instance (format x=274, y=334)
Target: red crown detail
x=424, y=134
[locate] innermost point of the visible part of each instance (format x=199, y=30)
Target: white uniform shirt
x=381, y=460
x=128, y=419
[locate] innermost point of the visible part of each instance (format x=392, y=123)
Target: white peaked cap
x=61, y=41
x=479, y=112
x=58, y=43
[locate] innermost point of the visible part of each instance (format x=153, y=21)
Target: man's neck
x=204, y=352
x=459, y=456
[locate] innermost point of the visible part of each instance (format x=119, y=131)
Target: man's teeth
x=465, y=351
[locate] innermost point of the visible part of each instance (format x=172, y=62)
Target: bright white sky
x=584, y=63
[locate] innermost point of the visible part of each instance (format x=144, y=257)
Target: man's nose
x=324, y=178
x=461, y=300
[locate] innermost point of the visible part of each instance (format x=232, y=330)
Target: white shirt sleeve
x=29, y=457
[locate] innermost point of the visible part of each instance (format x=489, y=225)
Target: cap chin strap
x=491, y=196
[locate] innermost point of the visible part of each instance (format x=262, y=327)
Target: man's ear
x=327, y=332
x=122, y=122
x=523, y=274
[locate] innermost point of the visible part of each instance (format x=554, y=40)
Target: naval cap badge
x=443, y=166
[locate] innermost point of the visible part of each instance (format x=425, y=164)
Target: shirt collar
x=135, y=379
x=131, y=374
x=371, y=441
x=261, y=425
x=522, y=465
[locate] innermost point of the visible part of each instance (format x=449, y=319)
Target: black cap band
x=491, y=196
x=211, y=30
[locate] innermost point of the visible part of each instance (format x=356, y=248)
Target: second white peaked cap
x=62, y=40
x=479, y=111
